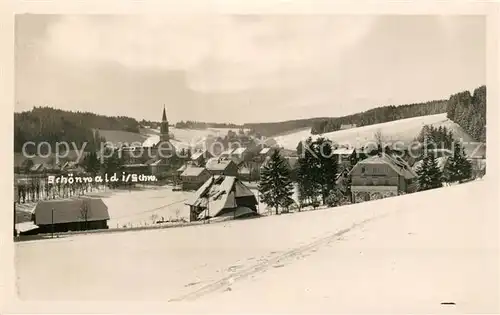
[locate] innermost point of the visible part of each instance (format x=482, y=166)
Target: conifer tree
x=429, y=174
x=275, y=186
x=458, y=167
x=308, y=188
x=325, y=173
x=435, y=174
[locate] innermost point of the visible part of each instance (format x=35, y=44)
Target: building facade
x=194, y=177
x=381, y=176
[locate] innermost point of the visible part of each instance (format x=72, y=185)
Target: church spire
x=164, y=116
x=164, y=134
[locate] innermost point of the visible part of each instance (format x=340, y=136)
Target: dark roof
x=164, y=115
x=70, y=210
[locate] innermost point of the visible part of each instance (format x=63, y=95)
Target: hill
x=46, y=124
x=403, y=130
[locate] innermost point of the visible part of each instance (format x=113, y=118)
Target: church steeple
x=164, y=134
x=164, y=116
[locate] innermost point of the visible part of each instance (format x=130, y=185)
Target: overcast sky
x=244, y=68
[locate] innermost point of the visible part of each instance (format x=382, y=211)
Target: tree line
x=46, y=124
x=189, y=124
x=469, y=111
x=431, y=175
x=380, y=115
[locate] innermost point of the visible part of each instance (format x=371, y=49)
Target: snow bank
x=403, y=254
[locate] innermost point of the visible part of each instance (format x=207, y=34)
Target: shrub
x=334, y=198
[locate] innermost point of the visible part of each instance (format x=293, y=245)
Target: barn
x=75, y=214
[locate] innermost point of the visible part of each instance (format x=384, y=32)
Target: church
x=152, y=157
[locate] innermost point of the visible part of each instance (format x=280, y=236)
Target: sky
x=243, y=68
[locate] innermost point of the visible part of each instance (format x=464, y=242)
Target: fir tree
x=275, y=186
x=91, y=163
x=307, y=163
x=325, y=172
x=458, y=167
x=429, y=174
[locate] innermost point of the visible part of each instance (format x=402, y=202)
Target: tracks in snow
x=226, y=282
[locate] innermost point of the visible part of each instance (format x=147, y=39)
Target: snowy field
x=136, y=207
x=404, y=254
x=405, y=130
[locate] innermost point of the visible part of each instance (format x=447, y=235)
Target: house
x=75, y=214
x=193, y=177
x=199, y=158
x=217, y=166
x=343, y=155
x=137, y=168
x=226, y=154
x=222, y=196
x=263, y=154
x=158, y=165
x=239, y=154
x=381, y=176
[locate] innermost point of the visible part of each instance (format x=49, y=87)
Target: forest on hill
x=189, y=124
x=380, y=115
x=46, y=124
x=277, y=128
x=469, y=111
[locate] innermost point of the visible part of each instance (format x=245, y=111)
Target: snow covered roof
x=227, y=152
x=343, y=151
x=396, y=163
x=69, y=210
x=217, y=164
x=244, y=170
x=239, y=151
x=264, y=151
x=219, y=193
x=198, y=154
x=193, y=171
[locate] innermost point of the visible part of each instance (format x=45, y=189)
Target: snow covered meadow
x=404, y=254
x=404, y=130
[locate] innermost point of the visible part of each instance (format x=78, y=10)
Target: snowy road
x=395, y=255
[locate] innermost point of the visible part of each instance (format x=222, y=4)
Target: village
x=212, y=183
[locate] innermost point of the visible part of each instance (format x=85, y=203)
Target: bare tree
x=379, y=140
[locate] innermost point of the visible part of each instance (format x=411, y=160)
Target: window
x=363, y=169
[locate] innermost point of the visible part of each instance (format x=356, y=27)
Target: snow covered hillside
x=404, y=130
x=405, y=254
